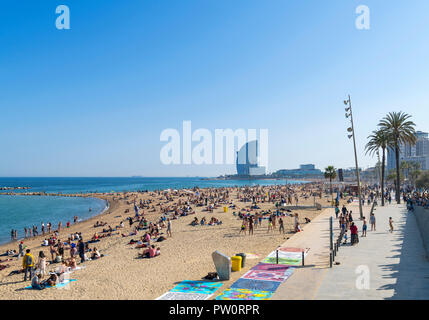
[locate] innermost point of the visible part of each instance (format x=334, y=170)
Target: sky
x=94, y=99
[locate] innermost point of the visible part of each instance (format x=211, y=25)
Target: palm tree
x=401, y=131
x=405, y=167
x=331, y=174
x=379, y=139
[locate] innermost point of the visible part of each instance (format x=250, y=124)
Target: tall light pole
x=352, y=135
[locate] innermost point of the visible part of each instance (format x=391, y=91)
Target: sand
x=185, y=256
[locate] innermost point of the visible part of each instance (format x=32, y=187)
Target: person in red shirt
x=354, y=233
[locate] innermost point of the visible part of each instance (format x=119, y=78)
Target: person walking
x=337, y=211
x=281, y=226
x=354, y=234
x=28, y=264
x=364, y=227
x=81, y=251
x=250, y=226
x=169, y=228
x=21, y=249
x=372, y=221
x=390, y=224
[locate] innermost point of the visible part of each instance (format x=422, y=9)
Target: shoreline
x=103, y=211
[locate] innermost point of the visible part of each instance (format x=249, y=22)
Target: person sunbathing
x=151, y=252
x=195, y=222
x=52, y=281
x=72, y=263
x=36, y=283
x=96, y=254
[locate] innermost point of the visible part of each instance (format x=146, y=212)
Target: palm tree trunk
x=383, y=160
x=332, y=197
x=398, y=175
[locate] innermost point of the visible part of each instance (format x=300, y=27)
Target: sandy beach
x=184, y=256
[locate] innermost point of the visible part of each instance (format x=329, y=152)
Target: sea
x=19, y=211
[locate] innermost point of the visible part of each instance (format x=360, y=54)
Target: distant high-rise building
x=247, y=160
x=418, y=153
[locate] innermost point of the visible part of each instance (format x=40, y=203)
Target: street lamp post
x=352, y=135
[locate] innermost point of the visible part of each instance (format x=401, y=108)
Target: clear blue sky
x=93, y=100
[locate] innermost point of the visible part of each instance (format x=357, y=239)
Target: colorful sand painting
x=272, y=267
x=244, y=294
x=202, y=287
x=259, y=285
x=285, y=261
x=183, y=296
x=278, y=276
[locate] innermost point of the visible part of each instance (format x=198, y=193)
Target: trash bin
x=225, y=209
x=243, y=258
x=236, y=263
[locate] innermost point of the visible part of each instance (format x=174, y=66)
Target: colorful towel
x=59, y=285
x=278, y=276
x=183, y=296
x=283, y=254
x=285, y=261
x=201, y=287
x=259, y=285
x=285, y=257
x=272, y=267
x=244, y=294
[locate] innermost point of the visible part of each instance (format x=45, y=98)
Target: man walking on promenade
x=28, y=264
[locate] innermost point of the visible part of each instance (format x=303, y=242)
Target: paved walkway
x=395, y=262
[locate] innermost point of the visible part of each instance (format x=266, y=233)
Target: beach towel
x=278, y=276
x=272, y=267
x=244, y=294
x=283, y=254
x=58, y=285
x=284, y=261
x=285, y=257
x=183, y=296
x=251, y=256
x=259, y=285
x=201, y=287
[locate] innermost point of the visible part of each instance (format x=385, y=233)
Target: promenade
x=395, y=262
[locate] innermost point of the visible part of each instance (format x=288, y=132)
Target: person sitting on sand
x=195, y=222
x=36, y=283
x=96, y=254
x=95, y=237
x=151, y=252
x=52, y=281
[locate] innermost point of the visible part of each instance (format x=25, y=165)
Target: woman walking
x=372, y=221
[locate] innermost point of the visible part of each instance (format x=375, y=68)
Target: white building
x=417, y=153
